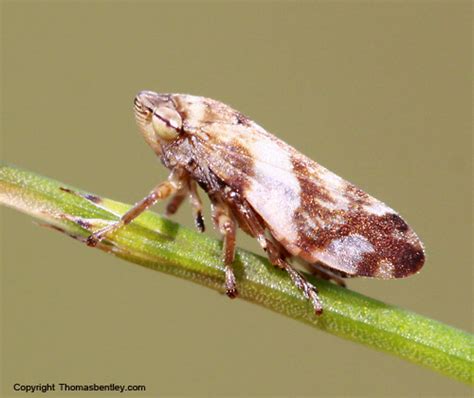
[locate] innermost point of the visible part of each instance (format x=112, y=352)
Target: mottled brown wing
x=312, y=212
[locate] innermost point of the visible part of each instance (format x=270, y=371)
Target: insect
x=293, y=206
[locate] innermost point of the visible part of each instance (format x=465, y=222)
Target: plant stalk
x=160, y=244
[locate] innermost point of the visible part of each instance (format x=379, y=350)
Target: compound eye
x=166, y=123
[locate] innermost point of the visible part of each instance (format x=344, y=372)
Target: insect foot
x=314, y=298
x=94, y=239
x=230, y=284
x=309, y=291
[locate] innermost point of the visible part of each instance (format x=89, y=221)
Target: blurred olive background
x=377, y=92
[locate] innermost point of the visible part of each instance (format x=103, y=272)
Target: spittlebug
x=293, y=206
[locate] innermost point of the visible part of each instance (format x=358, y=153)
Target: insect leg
x=188, y=188
x=323, y=273
x=196, y=204
x=277, y=256
x=227, y=227
x=161, y=191
x=309, y=290
x=176, y=201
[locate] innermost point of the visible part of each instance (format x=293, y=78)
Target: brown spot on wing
x=357, y=196
x=311, y=188
x=238, y=176
x=395, y=250
x=392, y=242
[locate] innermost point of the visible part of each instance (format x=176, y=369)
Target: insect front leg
x=226, y=225
x=161, y=191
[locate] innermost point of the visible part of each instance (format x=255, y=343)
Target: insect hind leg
x=320, y=271
x=277, y=256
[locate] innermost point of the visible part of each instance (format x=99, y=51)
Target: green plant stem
x=162, y=245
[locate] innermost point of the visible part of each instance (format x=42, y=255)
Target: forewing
x=312, y=212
